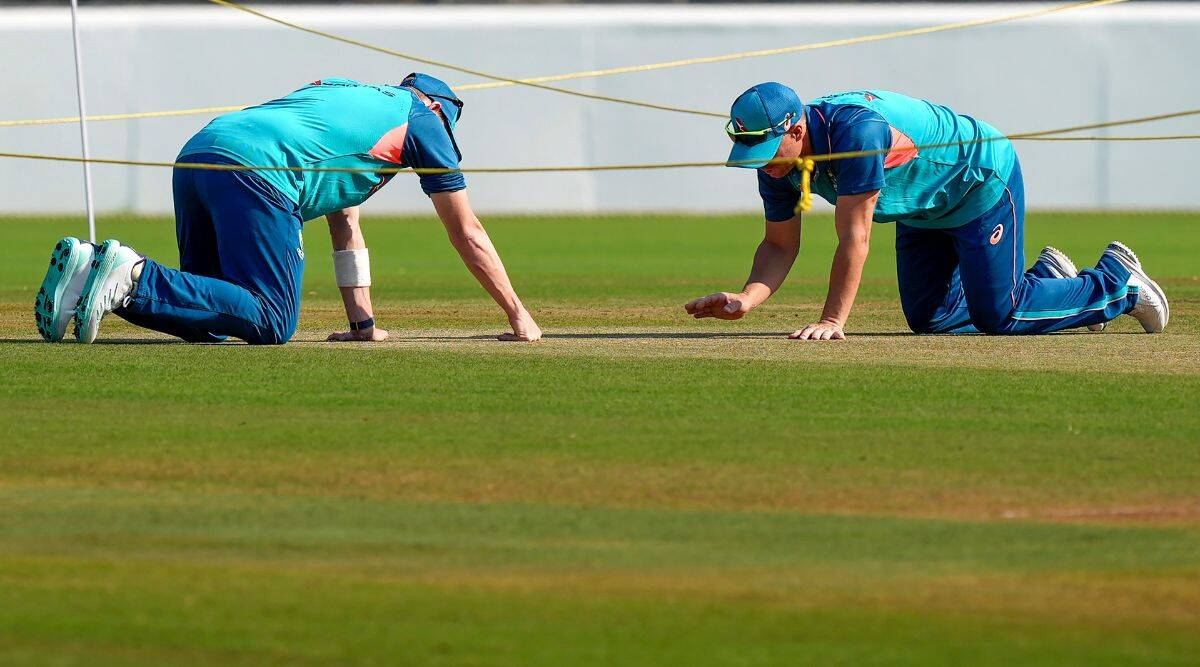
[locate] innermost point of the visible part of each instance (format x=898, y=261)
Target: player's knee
x=921, y=325
x=277, y=328
x=270, y=336
x=992, y=322
x=921, y=320
x=199, y=337
x=276, y=333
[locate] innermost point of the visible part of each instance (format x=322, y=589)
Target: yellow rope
x=122, y=116
x=533, y=81
x=348, y=170
x=849, y=41
x=1097, y=126
x=806, y=167
x=459, y=68
x=1041, y=135
x=1157, y=137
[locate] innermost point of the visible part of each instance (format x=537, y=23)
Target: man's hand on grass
x=823, y=330
x=524, y=329
x=372, y=335
x=722, y=305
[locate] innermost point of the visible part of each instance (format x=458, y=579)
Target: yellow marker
x=806, y=167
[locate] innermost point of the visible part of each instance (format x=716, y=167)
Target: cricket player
x=959, y=208
x=241, y=251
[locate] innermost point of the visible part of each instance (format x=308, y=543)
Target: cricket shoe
x=1061, y=266
x=108, y=287
x=70, y=264
x=1152, y=309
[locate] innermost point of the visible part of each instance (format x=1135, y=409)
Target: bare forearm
x=844, y=279
x=357, y=301
x=852, y=219
x=344, y=230
x=346, y=234
x=477, y=252
x=771, y=266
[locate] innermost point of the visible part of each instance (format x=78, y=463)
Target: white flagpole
x=83, y=134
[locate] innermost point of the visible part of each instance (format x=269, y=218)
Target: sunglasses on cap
x=754, y=137
x=459, y=104
x=452, y=100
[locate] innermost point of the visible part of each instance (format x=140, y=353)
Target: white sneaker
x=1061, y=266
x=108, y=287
x=70, y=264
x=1057, y=261
x=1152, y=309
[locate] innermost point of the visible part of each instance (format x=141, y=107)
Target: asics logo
x=997, y=233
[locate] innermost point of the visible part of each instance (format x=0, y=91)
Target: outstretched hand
x=372, y=335
x=722, y=305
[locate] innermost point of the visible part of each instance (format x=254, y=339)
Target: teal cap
x=765, y=111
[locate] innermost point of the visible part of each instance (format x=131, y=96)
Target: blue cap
x=437, y=90
x=768, y=106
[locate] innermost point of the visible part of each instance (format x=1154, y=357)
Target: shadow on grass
x=630, y=335
x=733, y=335
x=649, y=335
x=106, y=341
x=696, y=335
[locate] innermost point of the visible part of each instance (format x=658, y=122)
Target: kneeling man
x=241, y=253
x=952, y=184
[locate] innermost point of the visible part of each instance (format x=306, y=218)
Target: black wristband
x=365, y=324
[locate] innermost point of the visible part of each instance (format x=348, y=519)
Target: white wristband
x=352, y=268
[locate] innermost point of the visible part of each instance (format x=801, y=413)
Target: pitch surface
x=638, y=488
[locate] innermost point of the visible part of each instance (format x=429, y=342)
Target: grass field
x=636, y=489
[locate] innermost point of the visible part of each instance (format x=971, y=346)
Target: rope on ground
x=1045, y=11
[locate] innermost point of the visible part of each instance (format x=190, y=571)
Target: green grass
x=638, y=488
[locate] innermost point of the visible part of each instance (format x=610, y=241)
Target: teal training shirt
x=334, y=123
x=921, y=182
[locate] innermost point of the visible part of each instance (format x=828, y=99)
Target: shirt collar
x=818, y=130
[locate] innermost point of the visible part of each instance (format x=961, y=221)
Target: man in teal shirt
x=239, y=231
x=951, y=184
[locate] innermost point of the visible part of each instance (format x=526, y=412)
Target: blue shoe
x=70, y=264
x=109, y=286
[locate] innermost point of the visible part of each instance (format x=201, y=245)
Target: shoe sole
x=1129, y=259
x=50, y=313
x=102, y=265
x=1062, y=265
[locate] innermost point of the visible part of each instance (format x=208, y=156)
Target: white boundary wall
x=1078, y=67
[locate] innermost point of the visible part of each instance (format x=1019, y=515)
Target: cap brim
x=753, y=157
